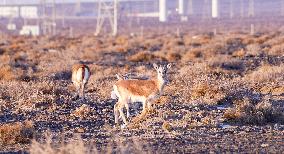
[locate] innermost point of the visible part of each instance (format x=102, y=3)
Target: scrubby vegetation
x=233, y=79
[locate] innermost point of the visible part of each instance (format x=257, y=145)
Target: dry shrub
x=17, y=132
x=208, y=91
x=248, y=40
x=274, y=90
x=239, y=53
x=216, y=48
x=250, y=112
x=2, y=51
x=82, y=111
x=196, y=82
x=91, y=53
x=192, y=55
x=7, y=73
x=253, y=50
x=173, y=56
x=197, y=40
x=199, y=90
x=183, y=80
x=262, y=39
x=144, y=56
x=266, y=73
x=171, y=43
x=226, y=64
x=276, y=50
x=234, y=44
x=121, y=40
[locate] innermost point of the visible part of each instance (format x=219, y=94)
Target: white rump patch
x=86, y=76
x=113, y=95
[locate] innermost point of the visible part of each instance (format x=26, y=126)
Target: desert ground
x=226, y=90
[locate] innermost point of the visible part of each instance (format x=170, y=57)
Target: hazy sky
x=37, y=1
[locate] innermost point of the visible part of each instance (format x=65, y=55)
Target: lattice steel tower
x=107, y=10
x=48, y=17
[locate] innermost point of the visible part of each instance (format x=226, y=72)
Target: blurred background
x=67, y=17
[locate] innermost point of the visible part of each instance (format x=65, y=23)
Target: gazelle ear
x=169, y=66
x=156, y=66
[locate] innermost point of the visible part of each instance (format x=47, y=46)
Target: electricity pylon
x=78, y=7
x=251, y=8
x=48, y=21
x=107, y=10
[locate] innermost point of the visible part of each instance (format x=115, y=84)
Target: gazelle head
x=162, y=72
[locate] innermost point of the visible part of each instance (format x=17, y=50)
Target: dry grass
x=79, y=146
x=250, y=111
x=253, y=50
x=145, y=56
x=266, y=73
x=207, y=71
x=7, y=73
x=16, y=133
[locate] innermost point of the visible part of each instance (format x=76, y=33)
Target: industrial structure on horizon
x=45, y=14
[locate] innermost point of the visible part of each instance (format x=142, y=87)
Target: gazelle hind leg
x=120, y=106
x=77, y=93
x=116, y=113
x=127, y=110
x=149, y=105
x=82, y=87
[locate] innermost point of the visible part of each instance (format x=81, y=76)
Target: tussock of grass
x=14, y=133
x=250, y=112
x=266, y=73
x=142, y=57
x=78, y=146
x=7, y=73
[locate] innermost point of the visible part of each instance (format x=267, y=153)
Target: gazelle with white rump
x=80, y=76
x=145, y=91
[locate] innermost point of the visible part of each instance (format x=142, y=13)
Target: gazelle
x=145, y=91
x=80, y=76
x=128, y=76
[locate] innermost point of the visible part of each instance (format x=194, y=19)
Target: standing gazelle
x=80, y=76
x=145, y=91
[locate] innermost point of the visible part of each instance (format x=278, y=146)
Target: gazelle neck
x=161, y=83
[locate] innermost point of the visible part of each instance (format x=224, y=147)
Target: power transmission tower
x=190, y=7
x=205, y=9
x=48, y=20
x=242, y=8
x=107, y=10
x=231, y=9
x=251, y=8
x=78, y=7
